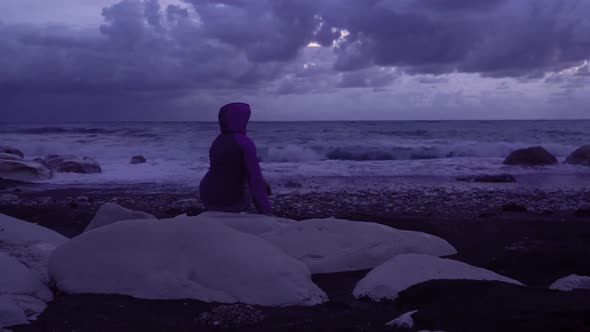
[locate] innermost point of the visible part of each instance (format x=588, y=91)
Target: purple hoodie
x=233, y=163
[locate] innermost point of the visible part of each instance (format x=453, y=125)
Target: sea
x=177, y=152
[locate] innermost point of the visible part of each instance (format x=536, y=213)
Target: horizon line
x=275, y=121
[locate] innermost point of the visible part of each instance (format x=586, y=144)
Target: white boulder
x=179, y=259
x=334, y=245
x=254, y=224
x=22, y=293
x=138, y=159
x=571, y=282
x=404, y=271
x=28, y=243
x=110, y=213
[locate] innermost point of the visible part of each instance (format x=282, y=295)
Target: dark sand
x=534, y=247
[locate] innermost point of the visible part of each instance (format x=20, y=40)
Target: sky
x=179, y=60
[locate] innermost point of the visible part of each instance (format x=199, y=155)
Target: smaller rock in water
x=53, y=161
x=40, y=161
x=580, y=157
x=231, y=317
x=7, y=198
x=533, y=156
x=571, y=282
x=139, y=159
x=72, y=164
x=85, y=165
x=21, y=170
x=514, y=207
x=11, y=150
x=500, y=178
x=403, y=321
x=583, y=212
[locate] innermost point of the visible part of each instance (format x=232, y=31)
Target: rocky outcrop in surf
x=532, y=156
x=72, y=164
x=139, y=159
x=580, y=157
x=14, y=167
x=11, y=150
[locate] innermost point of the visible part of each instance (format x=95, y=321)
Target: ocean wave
x=89, y=132
x=61, y=130
x=402, y=133
x=440, y=150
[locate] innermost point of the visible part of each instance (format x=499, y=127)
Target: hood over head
x=234, y=117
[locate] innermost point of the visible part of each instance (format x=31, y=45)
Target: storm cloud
x=155, y=54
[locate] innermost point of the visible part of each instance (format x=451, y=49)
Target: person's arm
x=255, y=179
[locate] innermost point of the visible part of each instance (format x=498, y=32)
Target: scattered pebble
x=231, y=317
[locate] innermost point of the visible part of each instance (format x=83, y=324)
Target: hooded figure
x=233, y=165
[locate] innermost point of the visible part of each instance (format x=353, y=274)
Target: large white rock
x=254, y=224
x=404, y=271
x=22, y=293
x=179, y=259
x=571, y=282
x=110, y=213
x=333, y=245
x=23, y=170
x=28, y=243
x=10, y=313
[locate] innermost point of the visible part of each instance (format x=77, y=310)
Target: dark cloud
x=267, y=30
x=144, y=50
x=461, y=5
x=371, y=78
x=529, y=38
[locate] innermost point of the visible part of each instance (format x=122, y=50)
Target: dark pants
x=240, y=206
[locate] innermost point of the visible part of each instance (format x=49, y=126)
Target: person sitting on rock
x=234, y=178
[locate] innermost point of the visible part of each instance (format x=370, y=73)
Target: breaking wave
x=299, y=153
